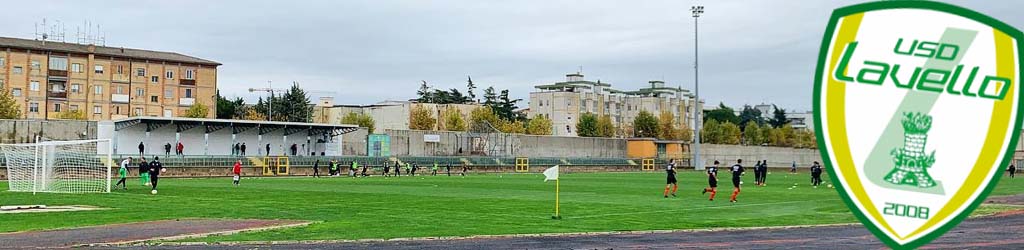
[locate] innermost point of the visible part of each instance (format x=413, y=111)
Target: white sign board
x=431, y=138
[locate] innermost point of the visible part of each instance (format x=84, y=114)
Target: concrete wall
x=411, y=143
x=25, y=131
x=576, y=147
x=354, y=143
x=776, y=156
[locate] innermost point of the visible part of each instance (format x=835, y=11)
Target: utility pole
x=698, y=163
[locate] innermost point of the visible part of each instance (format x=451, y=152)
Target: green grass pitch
x=422, y=206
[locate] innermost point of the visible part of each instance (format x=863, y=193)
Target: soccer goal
x=59, y=166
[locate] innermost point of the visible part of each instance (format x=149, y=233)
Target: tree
x=453, y=120
x=605, y=127
x=490, y=98
x=253, y=115
x=505, y=108
x=805, y=139
x=667, y=128
x=539, y=125
x=787, y=136
x=72, y=115
x=9, y=108
x=515, y=127
x=730, y=133
x=229, y=109
x=778, y=117
x=198, y=110
x=470, y=87
x=425, y=96
x=752, y=134
x=420, y=118
x=294, y=105
x=586, y=126
x=711, y=132
x=359, y=119
x=750, y=114
x=483, y=118
x=722, y=114
x=645, y=125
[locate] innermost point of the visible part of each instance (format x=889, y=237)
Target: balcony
x=119, y=98
x=186, y=101
x=190, y=82
x=57, y=73
x=57, y=94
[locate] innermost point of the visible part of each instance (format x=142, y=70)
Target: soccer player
x=671, y=183
x=712, y=172
x=1012, y=169
x=792, y=170
x=816, y=174
x=757, y=173
x=764, y=173
x=387, y=168
x=464, y=170
x=237, y=170
x=433, y=170
x=737, y=171
x=364, y=170
x=123, y=173
x=154, y=171
x=316, y=168
x=333, y=169
x=144, y=171
x=448, y=168
x=352, y=169
x=414, y=167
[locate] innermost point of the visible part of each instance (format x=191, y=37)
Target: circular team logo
x=919, y=112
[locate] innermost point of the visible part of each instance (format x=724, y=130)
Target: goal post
x=83, y=166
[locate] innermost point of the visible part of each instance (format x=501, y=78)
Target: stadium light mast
x=270, y=102
x=698, y=110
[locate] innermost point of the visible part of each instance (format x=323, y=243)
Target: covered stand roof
x=236, y=126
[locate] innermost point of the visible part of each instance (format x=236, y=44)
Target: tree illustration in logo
x=911, y=163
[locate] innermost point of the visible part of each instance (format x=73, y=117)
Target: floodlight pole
x=698, y=110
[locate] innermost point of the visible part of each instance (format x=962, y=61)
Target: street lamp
x=697, y=11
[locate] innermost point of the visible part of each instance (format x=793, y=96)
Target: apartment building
x=564, y=102
x=386, y=115
x=47, y=78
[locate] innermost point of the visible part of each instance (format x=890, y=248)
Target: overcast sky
x=368, y=51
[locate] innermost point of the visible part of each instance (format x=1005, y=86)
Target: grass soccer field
x=376, y=207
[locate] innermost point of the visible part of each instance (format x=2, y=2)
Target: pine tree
x=470, y=87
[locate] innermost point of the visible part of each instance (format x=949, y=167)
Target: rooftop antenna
x=47, y=32
x=580, y=71
x=89, y=36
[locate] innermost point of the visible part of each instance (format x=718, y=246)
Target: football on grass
x=153, y=192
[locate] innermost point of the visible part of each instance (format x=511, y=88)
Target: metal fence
x=305, y=161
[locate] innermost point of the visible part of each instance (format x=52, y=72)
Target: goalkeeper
x=123, y=173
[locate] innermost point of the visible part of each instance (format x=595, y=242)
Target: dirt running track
x=994, y=232
x=133, y=232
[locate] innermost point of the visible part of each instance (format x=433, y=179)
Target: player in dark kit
x=816, y=174
x=671, y=183
x=155, y=168
x=712, y=172
x=737, y=171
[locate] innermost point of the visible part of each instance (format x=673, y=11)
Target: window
x=154, y=98
x=140, y=72
x=1, y=83
x=33, y=107
x=168, y=93
x=3, y=61
x=33, y=86
x=188, y=93
x=189, y=74
x=154, y=79
x=16, y=92
x=120, y=69
x=59, y=63
x=169, y=74
x=120, y=90
x=98, y=90
x=140, y=92
x=34, y=64
x=138, y=111
x=73, y=107
x=56, y=107
x=97, y=109
x=117, y=110
x=99, y=69
x=76, y=67
x=75, y=88
x=17, y=70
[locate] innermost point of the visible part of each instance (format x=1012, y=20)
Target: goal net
x=59, y=166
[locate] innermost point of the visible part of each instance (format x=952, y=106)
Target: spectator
x=167, y=149
x=181, y=149
x=242, y=148
x=295, y=149
x=142, y=149
x=268, y=149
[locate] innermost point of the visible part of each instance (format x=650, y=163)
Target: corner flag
x=551, y=174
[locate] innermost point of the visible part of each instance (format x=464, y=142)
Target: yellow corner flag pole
x=556, y=201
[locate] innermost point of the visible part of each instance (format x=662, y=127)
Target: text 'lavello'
x=923, y=78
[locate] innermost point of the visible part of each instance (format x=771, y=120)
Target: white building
x=386, y=115
x=564, y=102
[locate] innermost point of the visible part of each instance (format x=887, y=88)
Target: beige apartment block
x=47, y=78
x=564, y=102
